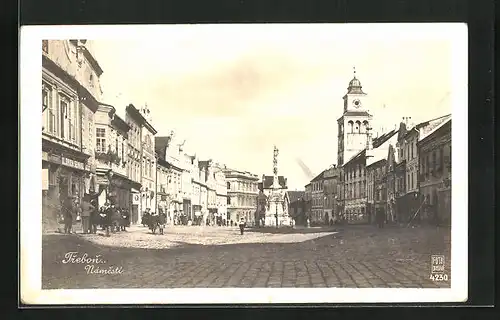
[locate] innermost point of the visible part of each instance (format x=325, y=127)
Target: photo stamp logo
x=437, y=268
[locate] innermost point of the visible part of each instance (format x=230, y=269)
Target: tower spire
x=354, y=70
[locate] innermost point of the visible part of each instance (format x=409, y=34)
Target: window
x=123, y=151
x=74, y=122
x=45, y=98
x=49, y=107
x=63, y=108
x=116, y=145
x=101, y=140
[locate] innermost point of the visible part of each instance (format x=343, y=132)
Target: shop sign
x=45, y=156
x=136, y=198
x=73, y=163
x=55, y=158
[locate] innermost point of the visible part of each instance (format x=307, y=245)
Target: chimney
x=369, y=142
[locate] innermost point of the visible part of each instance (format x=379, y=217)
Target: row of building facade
x=404, y=174
x=88, y=148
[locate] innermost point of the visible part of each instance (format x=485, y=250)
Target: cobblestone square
x=216, y=257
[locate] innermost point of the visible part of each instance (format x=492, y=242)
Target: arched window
x=350, y=126
x=358, y=127
x=229, y=185
x=366, y=125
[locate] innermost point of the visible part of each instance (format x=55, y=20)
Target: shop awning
x=134, y=190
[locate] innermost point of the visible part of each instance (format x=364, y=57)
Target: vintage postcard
x=246, y=163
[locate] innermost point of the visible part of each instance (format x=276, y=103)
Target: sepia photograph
x=245, y=163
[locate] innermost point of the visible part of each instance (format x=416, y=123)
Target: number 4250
x=439, y=277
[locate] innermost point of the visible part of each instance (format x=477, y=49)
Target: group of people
x=154, y=220
x=109, y=217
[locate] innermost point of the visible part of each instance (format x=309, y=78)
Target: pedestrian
x=380, y=218
x=242, y=225
x=68, y=208
x=94, y=217
x=87, y=209
x=77, y=213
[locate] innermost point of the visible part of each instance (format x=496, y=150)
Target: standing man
x=68, y=211
x=242, y=225
x=87, y=209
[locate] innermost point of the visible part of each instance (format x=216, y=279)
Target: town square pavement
x=346, y=256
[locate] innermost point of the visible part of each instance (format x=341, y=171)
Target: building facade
x=376, y=174
x=330, y=189
x=295, y=202
x=220, y=193
x=70, y=94
x=308, y=201
x=242, y=192
x=391, y=183
x=141, y=120
x=111, y=154
x=134, y=160
x=169, y=178
x=187, y=185
x=435, y=173
x=317, y=200
x=412, y=201
x=355, y=189
x=216, y=192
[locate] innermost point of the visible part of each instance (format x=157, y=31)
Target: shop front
x=213, y=217
x=64, y=174
x=197, y=216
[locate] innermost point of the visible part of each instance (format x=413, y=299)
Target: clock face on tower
x=356, y=103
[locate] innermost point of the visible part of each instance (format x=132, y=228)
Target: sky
x=235, y=91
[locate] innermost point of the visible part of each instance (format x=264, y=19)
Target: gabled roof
x=432, y=126
x=161, y=143
x=319, y=176
x=295, y=195
x=132, y=110
x=382, y=150
x=383, y=138
x=358, y=155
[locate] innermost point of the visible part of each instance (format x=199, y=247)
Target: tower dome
x=355, y=85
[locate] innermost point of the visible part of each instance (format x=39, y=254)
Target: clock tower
x=354, y=124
